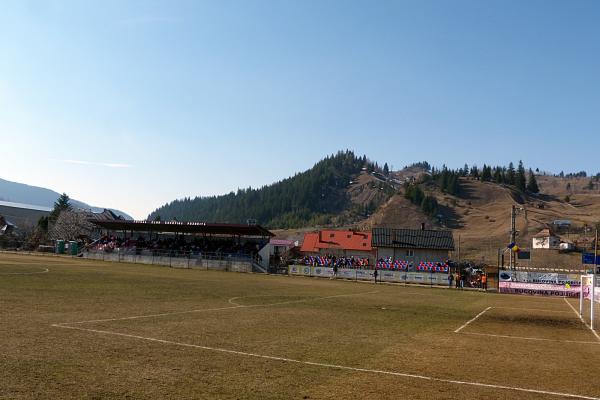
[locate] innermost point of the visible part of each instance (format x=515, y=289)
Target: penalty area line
x=581, y=318
x=471, y=320
x=529, y=338
x=334, y=366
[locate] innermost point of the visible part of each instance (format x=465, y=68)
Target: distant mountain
x=38, y=196
x=321, y=195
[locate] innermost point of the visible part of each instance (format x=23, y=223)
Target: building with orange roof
x=340, y=243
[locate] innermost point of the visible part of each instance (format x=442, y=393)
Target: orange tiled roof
x=330, y=239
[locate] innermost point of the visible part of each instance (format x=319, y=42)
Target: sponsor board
x=347, y=273
x=294, y=270
x=550, y=278
x=299, y=270
x=322, y=271
x=426, y=278
x=587, y=288
x=538, y=289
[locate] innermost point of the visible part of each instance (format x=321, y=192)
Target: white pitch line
x=528, y=338
x=210, y=309
x=231, y=301
x=471, y=320
x=581, y=318
x=533, y=309
x=25, y=273
x=334, y=366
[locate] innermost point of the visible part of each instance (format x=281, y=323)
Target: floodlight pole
x=594, y=280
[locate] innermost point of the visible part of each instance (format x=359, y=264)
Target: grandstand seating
x=403, y=265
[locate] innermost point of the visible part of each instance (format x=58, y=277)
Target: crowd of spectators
x=341, y=262
x=404, y=265
x=352, y=262
x=178, y=245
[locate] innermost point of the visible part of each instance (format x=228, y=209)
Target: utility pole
x=459, y=248
x=594, y=281
x=513, y=234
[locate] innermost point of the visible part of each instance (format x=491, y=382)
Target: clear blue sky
x=133, y=104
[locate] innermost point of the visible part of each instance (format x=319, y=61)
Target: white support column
x=581, y=296
x=593, y=293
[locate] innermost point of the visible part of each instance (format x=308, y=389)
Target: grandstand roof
x=183, y=227
x=330, y=239
x=413, y=239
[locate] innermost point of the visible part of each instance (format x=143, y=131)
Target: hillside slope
x=334, y=191
x=39, y=196
x=480, y=216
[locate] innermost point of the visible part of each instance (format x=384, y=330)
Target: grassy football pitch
x=73, y=328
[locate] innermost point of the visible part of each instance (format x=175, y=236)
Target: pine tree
x=510, y=174
x=521, y=179
x=498, y=175
x=532, y=185
x=590, y=185
x=465, y=170
x=486, y=173
x=386, y=169
x=63, y=203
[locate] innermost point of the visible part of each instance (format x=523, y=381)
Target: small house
x=546, y=239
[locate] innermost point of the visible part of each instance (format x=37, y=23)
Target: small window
x=410, y=253
x=364, y=245
x=349, y=236
x=332, y=235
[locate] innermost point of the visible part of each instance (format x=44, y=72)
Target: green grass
x=407, y=330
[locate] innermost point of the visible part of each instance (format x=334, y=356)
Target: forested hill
x=309, y=198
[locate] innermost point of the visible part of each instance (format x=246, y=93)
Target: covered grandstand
x=198, y=243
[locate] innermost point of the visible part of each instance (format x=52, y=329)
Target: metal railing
x=173, y=258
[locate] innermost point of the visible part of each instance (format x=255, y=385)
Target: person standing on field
x=484, y=281
x=335, y=271
x=450, y=279
x=457, y=279
x=375, y=275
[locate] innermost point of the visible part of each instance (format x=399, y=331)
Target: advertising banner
x=299, y=270
x=322, y=271
x=538, y=289
x=540, y=277
x=347, y=273
x=425, y=278
x=364, y=274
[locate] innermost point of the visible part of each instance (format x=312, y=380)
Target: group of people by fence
x=177, y=245
x=461, y=279
x=339, y=262
x=383, y=263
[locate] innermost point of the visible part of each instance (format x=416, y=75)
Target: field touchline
x=334, y=366
x=26, y=273
x=233, y=306
x=471, y=320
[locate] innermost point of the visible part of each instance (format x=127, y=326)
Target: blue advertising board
x=588, y=258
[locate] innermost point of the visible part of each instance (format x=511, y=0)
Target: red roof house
x=332, y=241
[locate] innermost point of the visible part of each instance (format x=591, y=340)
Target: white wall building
x=546, y=239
